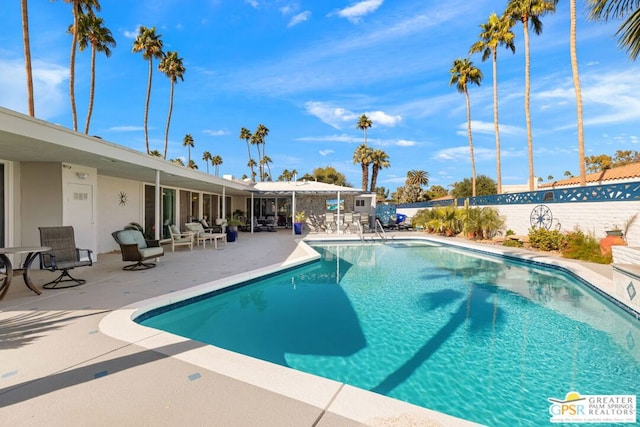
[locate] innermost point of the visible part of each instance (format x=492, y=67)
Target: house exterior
x=51, y=175
x=618, y=175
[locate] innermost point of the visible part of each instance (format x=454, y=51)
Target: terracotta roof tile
x=631, y=170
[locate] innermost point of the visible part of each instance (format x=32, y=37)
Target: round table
x=32, y=253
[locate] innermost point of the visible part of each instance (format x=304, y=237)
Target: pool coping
x=332, y=396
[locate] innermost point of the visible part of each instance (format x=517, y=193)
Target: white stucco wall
x=591, y=217
x=112, y=215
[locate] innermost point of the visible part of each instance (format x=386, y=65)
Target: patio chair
x=348, y=221
x=180, y=239
x=200, y=235
x=329, y=221
x=135, y=247
x=63, y=256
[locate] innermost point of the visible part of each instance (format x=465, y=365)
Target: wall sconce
x=82, y=175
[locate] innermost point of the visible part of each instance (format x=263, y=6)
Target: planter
x=232, y=233
x=615, y=233
x=297, y=227
x=611, y=240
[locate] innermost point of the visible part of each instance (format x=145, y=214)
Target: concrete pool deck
x=72, y=357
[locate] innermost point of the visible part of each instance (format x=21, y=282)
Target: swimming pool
x=464, y=333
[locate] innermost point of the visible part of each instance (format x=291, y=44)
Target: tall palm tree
x=192, y=165
x=629, y=31
x=578, y=90
x=529, y=12
x=27, y=56
x=252, y=164
x=255, y=140
x=150, y=44
x=216, y=161
x=363, y=155
x=286, y=175
x=266, y=161
x=379, y=160
x=464, y=73
x=246, y=135
x=91, y=32
x=171, y=65
x=363, y=124
x=78, y=7
x=188, y=142
x=496, y=32
x=206, y=156
x=261, y=132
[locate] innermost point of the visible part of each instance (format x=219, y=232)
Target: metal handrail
x=382, y=233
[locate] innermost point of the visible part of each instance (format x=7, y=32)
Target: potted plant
x=297, y=225
x=232, y=228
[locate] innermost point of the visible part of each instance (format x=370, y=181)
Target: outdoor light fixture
x=82, y=175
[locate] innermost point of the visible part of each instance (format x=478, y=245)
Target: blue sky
x=307, y=69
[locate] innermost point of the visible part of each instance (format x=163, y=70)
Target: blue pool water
x=471, y=335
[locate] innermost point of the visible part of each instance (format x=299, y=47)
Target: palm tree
x=286, y=175
x=252, y=164
x=92, y=32
x=192, y=165
x=629, y=30
x=364, y=123
x=379, y=160
x=246, y=135
x=78, y=7
x=529, y=12
x=177, y=161
x=363, y=155
x=261, y=133
x=255, y=140
x=265, y=161
x=206, y=156
x=464, y=73
x=173, y=68
x=188, y=142
x=149, y=43
x=216, y=161
x=496, y=32
x=413, y=185
x=155, y=153
x=27, y=56
x=578, y=90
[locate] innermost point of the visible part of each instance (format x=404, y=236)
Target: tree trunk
x=473, y=162
x=496, y=123
x=527, y=110
x=91, y=89
x=576, y=85
x=166, y=132
x=146, y=105
x=365, y=175
x=27, y=57
x=72, y=72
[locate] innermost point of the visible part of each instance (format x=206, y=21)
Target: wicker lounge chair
x=136, y=248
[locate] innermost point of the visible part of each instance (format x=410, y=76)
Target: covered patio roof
x=306, y=187
x=27, y=139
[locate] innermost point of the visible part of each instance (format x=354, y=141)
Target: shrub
x=513, y=243
x=585, y=247
x=546, y=240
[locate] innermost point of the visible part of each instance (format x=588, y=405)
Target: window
x=359, y=203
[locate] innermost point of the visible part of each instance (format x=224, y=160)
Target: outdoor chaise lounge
x=202, y=236
x=63, y=256
x=136, y=248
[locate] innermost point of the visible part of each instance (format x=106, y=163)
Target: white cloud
x=50, y=94
x=356, y=11
x=126, y=128
x=290, y=8
x=383, y=119
x=405, y=143
x=299, y=18
x=253, y=3
x=331, y=138
x=215, y=132
x=487, y=128
x=462, y=154
x=325, y=153
x=338, y=117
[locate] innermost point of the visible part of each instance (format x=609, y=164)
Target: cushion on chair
x=151, y=252
x=128, y=237
x=174, y=229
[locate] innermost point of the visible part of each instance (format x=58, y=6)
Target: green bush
x=585, y=247
x=546, y=240
x=513, y=243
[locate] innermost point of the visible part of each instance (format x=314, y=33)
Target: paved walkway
x=58, y=369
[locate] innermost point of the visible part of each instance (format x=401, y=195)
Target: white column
x=158, y=220
x=293, y=212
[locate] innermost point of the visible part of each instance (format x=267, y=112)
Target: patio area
x=58, y=368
